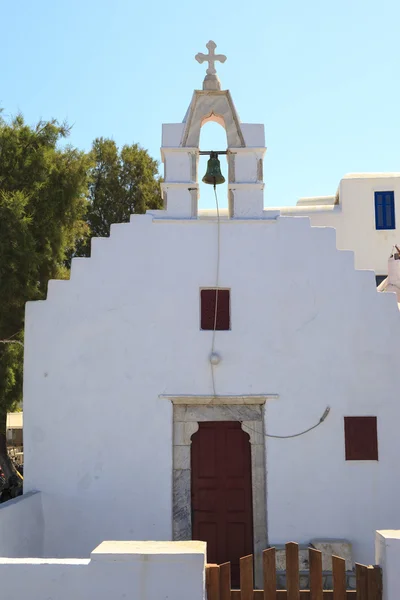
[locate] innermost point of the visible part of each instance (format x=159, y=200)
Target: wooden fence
x=218, y=579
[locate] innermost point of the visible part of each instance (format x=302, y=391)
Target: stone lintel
x=219, y=400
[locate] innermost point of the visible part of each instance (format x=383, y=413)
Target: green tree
x=122, y=182
x=43, y=190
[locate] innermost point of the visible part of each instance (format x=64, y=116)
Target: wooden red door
x=221, y=492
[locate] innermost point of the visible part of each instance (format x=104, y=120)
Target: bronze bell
x=213, y=174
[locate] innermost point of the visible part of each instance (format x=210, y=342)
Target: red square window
x=209, y=302
x=361, y=438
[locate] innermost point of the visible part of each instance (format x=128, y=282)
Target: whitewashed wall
x=354, y=219
x=147, y=571
x=125, y=329
x=22, y=527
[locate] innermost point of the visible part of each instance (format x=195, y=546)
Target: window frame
x=382, y=225
x=221, y=289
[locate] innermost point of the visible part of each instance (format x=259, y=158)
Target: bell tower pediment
x=180, y=152
x=212, y=106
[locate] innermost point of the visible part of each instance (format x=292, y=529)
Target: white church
x=244, y=356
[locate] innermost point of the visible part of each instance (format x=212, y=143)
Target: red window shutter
x=361, y=438
x=208, y=304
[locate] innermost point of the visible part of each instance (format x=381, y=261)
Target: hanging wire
x=216, y=290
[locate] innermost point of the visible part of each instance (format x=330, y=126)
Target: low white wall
x=22, y=526
x=117, y=570
x=387, y=556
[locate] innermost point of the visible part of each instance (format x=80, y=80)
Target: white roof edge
x=330, y=196
x=316, y=201
x=370, y=175
x=306, y=209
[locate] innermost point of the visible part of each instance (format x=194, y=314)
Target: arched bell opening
x=213, y=138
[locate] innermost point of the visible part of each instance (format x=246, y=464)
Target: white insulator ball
x=215, y=358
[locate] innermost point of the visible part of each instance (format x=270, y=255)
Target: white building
x=364, y=214
x=210, y=422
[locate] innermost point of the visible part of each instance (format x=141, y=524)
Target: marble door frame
x=188, y=411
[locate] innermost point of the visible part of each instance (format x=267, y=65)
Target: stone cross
x=211, y=81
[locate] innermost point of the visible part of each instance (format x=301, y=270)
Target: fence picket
x=339, y=578
x=362, y=582
x=374, y=578
x=292, y=571
x=316, y=582
x=225, y=581
x=269, y=571
x=246, y=577
x=304, y=595
x=218, y=579
x=212, y=582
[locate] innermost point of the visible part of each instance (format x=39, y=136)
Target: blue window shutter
x=390, y=208
x=378, y=210
x=384, y=210
x=393, y=213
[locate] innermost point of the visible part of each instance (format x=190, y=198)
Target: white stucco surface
x=115, y=570
x=125, y=329
x=22, y=527
x=387, y=556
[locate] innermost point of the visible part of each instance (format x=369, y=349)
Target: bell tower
x=180, y=151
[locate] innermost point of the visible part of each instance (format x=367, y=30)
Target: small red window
x=361, y=438
x=212, y=301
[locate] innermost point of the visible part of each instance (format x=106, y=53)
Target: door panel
x=221, y=492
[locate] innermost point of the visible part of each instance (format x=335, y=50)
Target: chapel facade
x=250, y=370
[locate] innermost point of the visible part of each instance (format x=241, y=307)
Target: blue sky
x=324, y=77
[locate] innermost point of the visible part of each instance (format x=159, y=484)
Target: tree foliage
x=52, y=200
x=42, y=208
x=122, y=182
